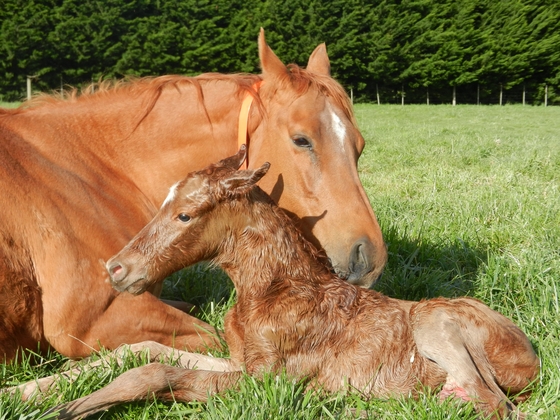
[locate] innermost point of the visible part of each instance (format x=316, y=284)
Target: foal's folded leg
x=152, y=381
x=154, y=351
x=439, y=338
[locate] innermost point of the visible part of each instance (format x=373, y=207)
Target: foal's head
x=178, y=235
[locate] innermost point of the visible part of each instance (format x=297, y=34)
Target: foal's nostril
x=117, y=272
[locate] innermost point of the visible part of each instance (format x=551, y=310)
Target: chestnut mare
x=292, y=313
x=80, y=177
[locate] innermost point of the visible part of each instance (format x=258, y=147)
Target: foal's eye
x=301, y=142
x=184, y=217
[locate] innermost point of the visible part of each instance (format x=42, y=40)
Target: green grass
x=468, y=199
x=9, y=104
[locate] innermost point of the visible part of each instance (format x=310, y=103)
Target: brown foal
x=293, y=313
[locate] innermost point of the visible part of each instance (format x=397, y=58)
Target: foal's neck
x=266, y=247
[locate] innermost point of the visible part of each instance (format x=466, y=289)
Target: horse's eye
x=184, y=217
x=301, y=142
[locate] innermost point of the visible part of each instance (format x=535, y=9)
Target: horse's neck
x=267, y=247
x=182, y=134
x=152, y=140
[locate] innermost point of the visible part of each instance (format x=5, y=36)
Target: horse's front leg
x=126, y=319
x=155, y=380
x=186, y=307
x=154, y=351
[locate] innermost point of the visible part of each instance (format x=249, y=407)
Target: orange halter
x=242, y=133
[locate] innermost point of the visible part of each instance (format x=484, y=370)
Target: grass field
x=9, y=104
x=468, y=199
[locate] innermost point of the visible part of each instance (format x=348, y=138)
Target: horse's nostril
x=360, y=262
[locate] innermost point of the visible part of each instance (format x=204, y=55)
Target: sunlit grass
x=9, y=104
x=468, y=199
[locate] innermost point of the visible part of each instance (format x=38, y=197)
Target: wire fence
x=473, y=94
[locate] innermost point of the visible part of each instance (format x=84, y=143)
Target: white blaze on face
x=171, y=195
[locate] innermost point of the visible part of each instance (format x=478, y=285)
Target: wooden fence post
x=454, y=96
x=478, y=93
x=545, y=95
x=29, y=87
x=501, y=94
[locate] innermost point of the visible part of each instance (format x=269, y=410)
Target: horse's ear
x=241, y=182
x=319, y=61
x=270, y=64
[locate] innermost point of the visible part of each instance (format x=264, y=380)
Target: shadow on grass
x=200, y=284
x=418, y=269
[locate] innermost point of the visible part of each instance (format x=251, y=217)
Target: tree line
x=393, y=49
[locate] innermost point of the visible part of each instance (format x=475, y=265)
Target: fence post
x=478, y=93
x=402, y=94
x=29, y=87
x=377, y=93
x=545, y=95
x=427, y=95
x=500, y=94
x=523, y=94
x=454, y=96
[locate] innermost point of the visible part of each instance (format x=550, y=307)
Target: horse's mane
x=152, y=86
x=299, y=79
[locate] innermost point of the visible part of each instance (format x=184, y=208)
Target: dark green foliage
x=421, y=46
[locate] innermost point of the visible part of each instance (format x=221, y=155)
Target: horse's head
x=310, y=136
x=178, y=235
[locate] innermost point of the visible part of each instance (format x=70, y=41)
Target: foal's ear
x=235, y=161
x=241, y=182
x=319, y=61
x=270, y=64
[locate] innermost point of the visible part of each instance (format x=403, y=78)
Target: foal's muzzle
x=122, y=279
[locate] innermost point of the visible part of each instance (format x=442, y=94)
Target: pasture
x=469, y=203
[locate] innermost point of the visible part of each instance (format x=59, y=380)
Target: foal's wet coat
x=292, y=313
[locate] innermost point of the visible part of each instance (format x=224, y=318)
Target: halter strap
x=242, y=133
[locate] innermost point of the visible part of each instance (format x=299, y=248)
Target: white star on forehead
x=171, y=195
x=338, y=127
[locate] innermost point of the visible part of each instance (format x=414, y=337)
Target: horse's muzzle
x=362, y=270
